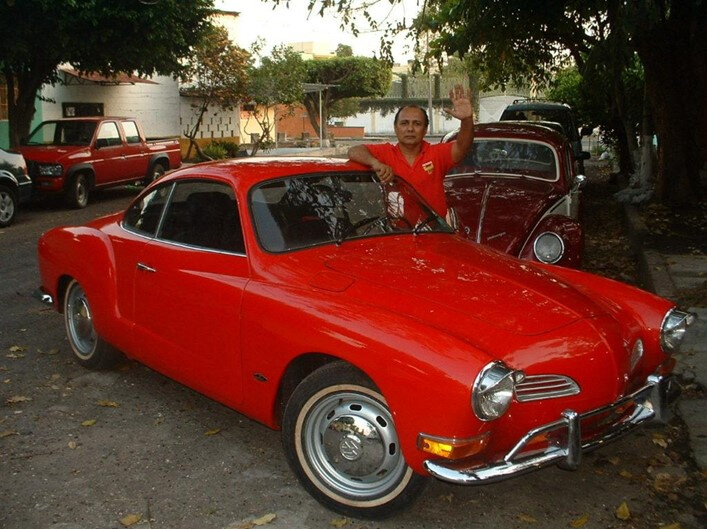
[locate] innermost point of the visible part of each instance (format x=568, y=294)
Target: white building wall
x=156, y=106
x=217, y=123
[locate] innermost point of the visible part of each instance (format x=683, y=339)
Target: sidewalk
x=666, y=274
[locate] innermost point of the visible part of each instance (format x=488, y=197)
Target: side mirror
x=586, y=131
x=583, y=155
x=102, y=142
x=579, y=181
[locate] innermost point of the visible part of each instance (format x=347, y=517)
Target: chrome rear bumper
x=42, y=296
x=649, y=403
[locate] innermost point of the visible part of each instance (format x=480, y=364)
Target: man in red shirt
x=416, y=161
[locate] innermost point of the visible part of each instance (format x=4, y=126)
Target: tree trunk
x=673, y=55
x=21, y=109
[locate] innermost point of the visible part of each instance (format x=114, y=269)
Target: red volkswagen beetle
x=516, y=191
x=313, y=298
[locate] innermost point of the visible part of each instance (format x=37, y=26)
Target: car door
x=108, y=156
x=135, y=152
x=188, y=288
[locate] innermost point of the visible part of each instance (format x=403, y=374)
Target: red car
x=311, y=297
x=516, y=191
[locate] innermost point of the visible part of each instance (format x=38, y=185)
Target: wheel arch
x=81, y=168
x=160, y=158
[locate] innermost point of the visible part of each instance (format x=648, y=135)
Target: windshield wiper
x=418, y=227
x=352, y=229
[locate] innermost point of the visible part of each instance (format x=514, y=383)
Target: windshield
x=309, y=210
x=62, y=133
x=510, y=158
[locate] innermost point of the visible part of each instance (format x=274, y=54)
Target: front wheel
x=8, y=206
x=77, y=192
x=342, y=444
x=89, y=349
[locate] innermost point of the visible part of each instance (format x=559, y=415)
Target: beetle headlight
x=672, y=331
x=548, y=247
x=50, y=169
x=493, y=390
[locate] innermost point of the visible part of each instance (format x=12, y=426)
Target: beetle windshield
x=309, y=210
x=508, y=157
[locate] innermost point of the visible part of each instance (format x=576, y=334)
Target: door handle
x=145, y=268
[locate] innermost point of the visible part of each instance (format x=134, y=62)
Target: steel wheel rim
x=351, y=445
x=7, y=207
x=80, y=323
x=81, y=191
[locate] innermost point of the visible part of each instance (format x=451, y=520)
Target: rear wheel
x=8, y=206
x=77, y=192
x=88, y=348
x=342, y=444
x=158, y=170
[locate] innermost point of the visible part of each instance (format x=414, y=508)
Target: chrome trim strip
x=482, y=213
x=651, y=403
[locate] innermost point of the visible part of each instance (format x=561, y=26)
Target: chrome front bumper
x=649, y=403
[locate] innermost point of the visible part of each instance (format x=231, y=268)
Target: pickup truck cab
x=74, y=156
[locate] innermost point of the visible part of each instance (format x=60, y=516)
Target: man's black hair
x=424, y=113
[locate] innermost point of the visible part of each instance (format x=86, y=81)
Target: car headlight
x=672, y=331
x=493, y=390
x=50, y=169
x=548, y=247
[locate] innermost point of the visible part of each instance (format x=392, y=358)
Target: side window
x=108, y=135
x=143, y=216
x=131, y=133
x=204, y=214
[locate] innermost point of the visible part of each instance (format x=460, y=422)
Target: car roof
x=537, y=105
x=528, y=130
x=244, y=172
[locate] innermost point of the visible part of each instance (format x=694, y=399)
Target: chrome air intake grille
x=538, y=387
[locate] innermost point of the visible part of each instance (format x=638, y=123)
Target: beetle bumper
x=566, y=442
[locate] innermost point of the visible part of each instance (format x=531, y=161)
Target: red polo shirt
x=426, y=175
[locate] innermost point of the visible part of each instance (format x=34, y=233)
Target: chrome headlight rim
x=541, y=257
x=673, y=328
x=493, y=390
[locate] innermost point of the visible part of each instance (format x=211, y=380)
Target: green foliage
x=93, y=35
x=232, y=150
x=346, y=77
x=344, y=50
x=215, y=151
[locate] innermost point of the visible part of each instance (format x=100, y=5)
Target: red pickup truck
x=74, y=156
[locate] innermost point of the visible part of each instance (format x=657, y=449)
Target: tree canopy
x=101, y=36
x=518, y=40
x=343, y=77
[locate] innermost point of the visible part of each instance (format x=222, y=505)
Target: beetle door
x=189, y=284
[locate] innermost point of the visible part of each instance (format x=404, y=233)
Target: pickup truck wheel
x=8, y=206
x=77, y=192
x=157, y=171
x=89, y=349
x=342, y=444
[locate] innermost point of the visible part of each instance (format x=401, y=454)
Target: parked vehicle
x=517, y=191
x=540, y=110
x=311, y=297
x=15, y=185
x=74, y=156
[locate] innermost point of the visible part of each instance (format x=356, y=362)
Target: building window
x=81, y=110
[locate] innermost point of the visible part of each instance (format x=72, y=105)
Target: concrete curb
x=654, y=271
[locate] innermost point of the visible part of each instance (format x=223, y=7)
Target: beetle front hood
x=499, y=212
x=454, y=275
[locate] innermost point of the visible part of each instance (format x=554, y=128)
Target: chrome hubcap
x=7, y=207
x=80, y=323
x=350, y=442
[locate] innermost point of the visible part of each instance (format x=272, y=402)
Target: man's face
x=410, y=128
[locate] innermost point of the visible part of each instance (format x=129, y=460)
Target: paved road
x=91, y=448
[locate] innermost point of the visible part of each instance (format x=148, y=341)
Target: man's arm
x=463, y=110
x=361, y=154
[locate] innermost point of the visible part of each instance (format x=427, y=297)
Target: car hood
x=445, y=280
x=53, y=153
x=500, y=212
